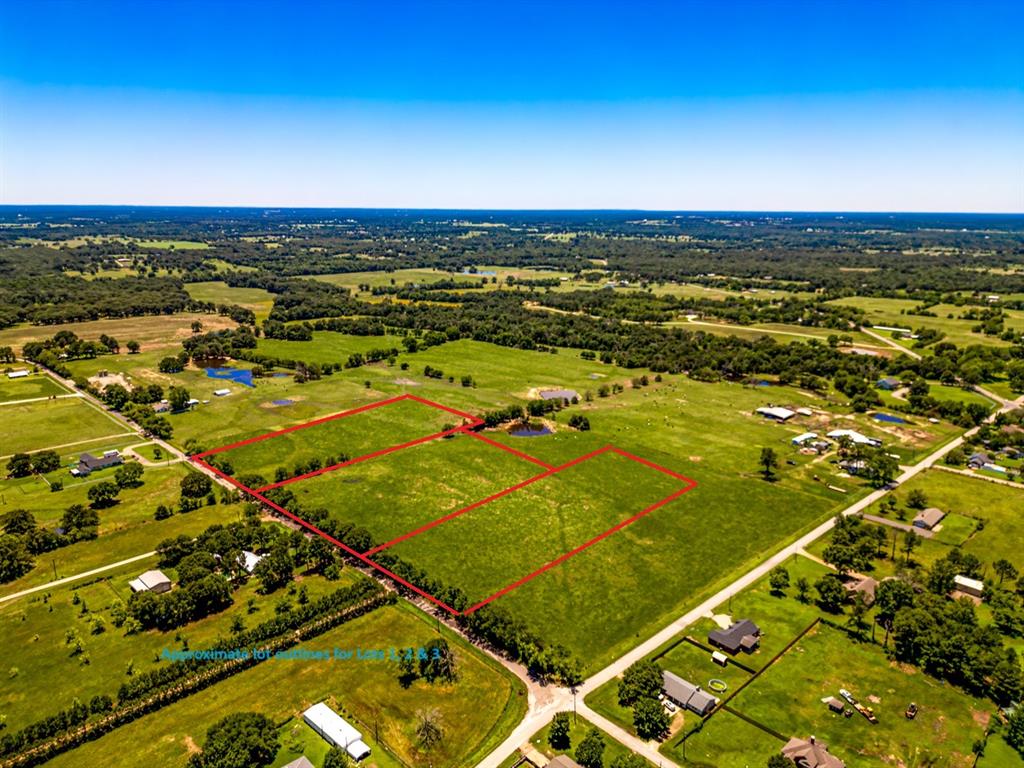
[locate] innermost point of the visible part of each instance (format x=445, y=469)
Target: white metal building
x=335, y=730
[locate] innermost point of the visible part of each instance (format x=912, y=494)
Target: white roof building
x=335, y=730
x=151, y=581
x=801, y=439
x=221, y=392
x=969, y=586
x=17, y=374
x=855, y=437
x=249, y=561
x=776, y=412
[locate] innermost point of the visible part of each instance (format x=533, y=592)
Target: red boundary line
x=474, y=422
x=510, y=449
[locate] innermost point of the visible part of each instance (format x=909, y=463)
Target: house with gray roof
x=810, y=753
x=742, y=635
x=928, y=518
x=687, y=695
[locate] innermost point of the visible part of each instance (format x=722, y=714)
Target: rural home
x=151, y=581
x=969, y=586
x=743, y=636
x=563, y=761
x=810, y=753
x=888, y=383
x=335, y=730
x=87, y=463
x=978, y=460
x=805, y=437
x=865, y=586
x=928, y=518
x=249, y=561
x=776, y=413
x=687, y=695
x=299, y=762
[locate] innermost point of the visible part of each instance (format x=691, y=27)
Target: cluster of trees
x=40, y=463
x=638, y=690
x=589, y=751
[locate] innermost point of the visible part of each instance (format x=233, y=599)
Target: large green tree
x=242, y=739
x=15, y=560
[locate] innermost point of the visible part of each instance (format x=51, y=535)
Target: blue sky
x=683, y=105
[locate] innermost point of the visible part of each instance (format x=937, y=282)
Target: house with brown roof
x=928, y=518
x=810, y=753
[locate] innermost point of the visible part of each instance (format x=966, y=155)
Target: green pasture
x=258, y=300
x=578, y=729
x=53, y=423
x=326, y=347
x=32, y=386
x=475, y=712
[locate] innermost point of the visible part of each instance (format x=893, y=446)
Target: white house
x=855, y=437
x=801, y=439
x=335, y=730
x=249, y=561
x=151, y=581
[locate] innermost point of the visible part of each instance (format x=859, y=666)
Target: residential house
x=687, y=695
x=865, y=586
x=249, y=561
x=299, y=762
x=855, y=437
x=888, y=383
x=742, y=635
x=978, y=460
x=87, y=463
x=810, y=753
x=563, y=761
x=151, y=581
x=928, y=518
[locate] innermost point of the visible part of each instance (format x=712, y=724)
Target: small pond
x=529, y=430
x=237, y=375
x=888, y=418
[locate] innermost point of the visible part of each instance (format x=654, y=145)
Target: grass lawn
x=475, y=713
x=177, y=245
x=788, y=698
x=397, y=493
x=356, y=435
x=326, y=347
x=33, y=638
x=578, y=730
x=53, y=423
x=258, y=300
x=999, y=754
x=34, y=385
x=163, y=332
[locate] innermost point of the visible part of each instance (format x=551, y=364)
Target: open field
x=34, y=628
x=402, y=277
x=391, y=495
x=35, y=385
x=475, y=712
x=349, y=436
x=895, y=313
x=219, y=292
x=51, y=423
x=326, y=347
x=163, y=332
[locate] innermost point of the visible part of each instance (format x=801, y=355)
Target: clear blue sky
x=684, y=105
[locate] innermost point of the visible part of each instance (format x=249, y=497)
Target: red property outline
x=468, y=429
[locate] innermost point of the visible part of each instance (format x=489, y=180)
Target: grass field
x=219, y=292
x=894, y=313
x=35, y=385
x=354, y=435
x=326, y=347
x=52, y=423
x=33, y=638
x=389, y=495
x=475, y=712
x=163, y=332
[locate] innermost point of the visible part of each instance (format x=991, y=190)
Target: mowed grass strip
x=353, y=435
x=400, y=492
x=326, y=347
x=52, y=423
x=513, y=536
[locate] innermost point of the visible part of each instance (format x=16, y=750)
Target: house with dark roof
x=865, y=586
x=87, y=463
x=810, y=753
x=928, y=518
x=978, y=460
x=687, y=695
x=563, y=761
x=742, y=635
x=888, y=383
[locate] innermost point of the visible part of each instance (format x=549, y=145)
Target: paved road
x=76, y=577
